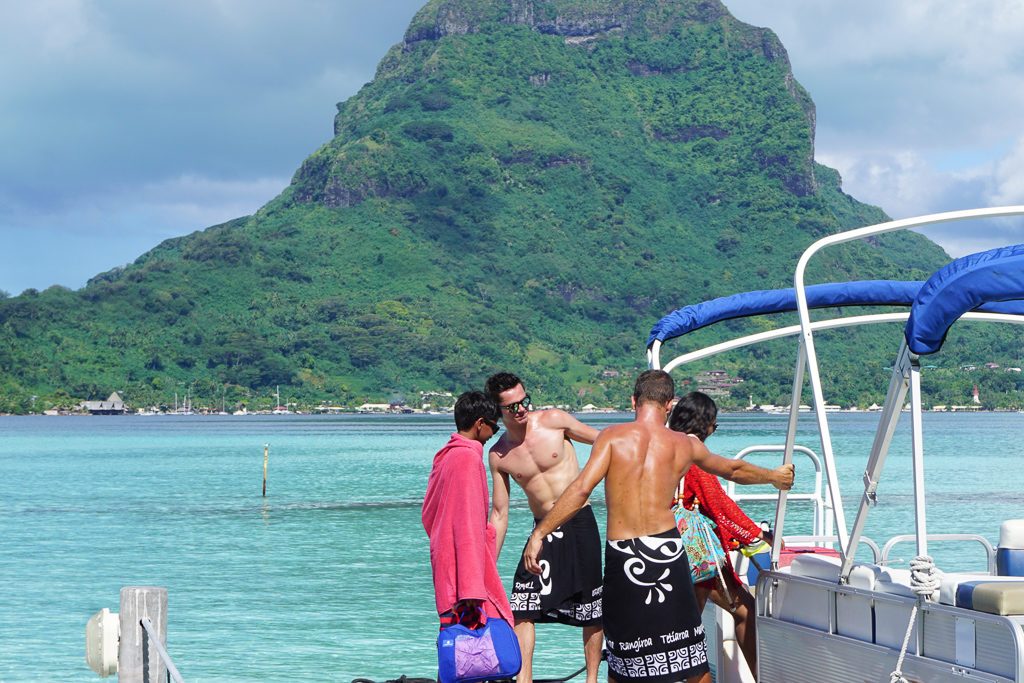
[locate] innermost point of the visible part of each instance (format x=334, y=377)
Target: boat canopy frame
x=972, y=299
x=906, y=376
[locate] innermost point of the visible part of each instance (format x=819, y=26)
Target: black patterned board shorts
x=568, y=591
x=652, y=627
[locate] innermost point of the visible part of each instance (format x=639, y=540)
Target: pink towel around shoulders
x=462, y=542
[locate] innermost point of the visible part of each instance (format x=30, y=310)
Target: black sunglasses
x=514, y=407
x=493, y=425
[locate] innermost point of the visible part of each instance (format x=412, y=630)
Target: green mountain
x=525, y=184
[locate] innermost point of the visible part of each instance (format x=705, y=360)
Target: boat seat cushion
x=1011, y=533
x=894, y=581
x=815, y=566
x=993, y=597
x=1010, y=561
x=950, y=584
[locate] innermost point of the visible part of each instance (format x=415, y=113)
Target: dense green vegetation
x=525, y=190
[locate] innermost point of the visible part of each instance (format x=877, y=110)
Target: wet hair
x=471, y=406
x=655, y=386
x=499, y=382
x=694, y=414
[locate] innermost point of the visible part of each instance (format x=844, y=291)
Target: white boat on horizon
x=821, y=615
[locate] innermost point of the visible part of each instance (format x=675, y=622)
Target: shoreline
x=591, y=413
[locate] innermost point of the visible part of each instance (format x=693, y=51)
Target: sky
x=124, y=123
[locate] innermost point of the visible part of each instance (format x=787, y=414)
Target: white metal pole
x=917, y=444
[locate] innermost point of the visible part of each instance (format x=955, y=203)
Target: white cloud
x=919, y=102
x=1009, y=177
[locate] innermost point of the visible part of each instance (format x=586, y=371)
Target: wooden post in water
x=266, y=452
x=138, y=660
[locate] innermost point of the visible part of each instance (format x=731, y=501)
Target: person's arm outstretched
x=741, y=471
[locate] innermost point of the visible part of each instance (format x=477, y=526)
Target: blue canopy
x=862, y=293
x=991, y=280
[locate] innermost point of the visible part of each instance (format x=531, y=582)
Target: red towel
x=462, y=541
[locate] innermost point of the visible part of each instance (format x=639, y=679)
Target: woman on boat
x=695, y=414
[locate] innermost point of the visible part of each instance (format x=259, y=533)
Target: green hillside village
x=520, y=187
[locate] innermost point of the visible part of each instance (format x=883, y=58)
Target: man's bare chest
x=529, y=459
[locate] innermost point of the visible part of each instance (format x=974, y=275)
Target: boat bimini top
x=988, y=281
x=985, y=286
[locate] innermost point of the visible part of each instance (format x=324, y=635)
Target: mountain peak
x=570, y=18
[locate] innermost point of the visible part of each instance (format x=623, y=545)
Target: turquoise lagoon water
x=327, y=578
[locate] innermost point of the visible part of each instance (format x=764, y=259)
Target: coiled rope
x=924, y=583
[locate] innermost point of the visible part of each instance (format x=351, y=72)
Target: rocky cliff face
x=574, y=19
x=570, y=18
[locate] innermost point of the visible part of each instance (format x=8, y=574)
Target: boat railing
x=818, y=497
x=990, y=553
x=862, y=630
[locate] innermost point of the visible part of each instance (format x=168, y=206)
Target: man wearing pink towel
x=463, y=553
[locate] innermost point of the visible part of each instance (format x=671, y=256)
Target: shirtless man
x=536, y=450
x=653, y=629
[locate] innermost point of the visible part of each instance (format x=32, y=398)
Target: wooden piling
x=138, y=659
x=266, y=452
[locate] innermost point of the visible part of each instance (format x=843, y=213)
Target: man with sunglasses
x=536, y=451
x=463, y=554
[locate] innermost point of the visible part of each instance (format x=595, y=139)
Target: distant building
x=112, y=406
x=374, y=408
x=716, y=382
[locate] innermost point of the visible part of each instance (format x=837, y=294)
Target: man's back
x=646, y=462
